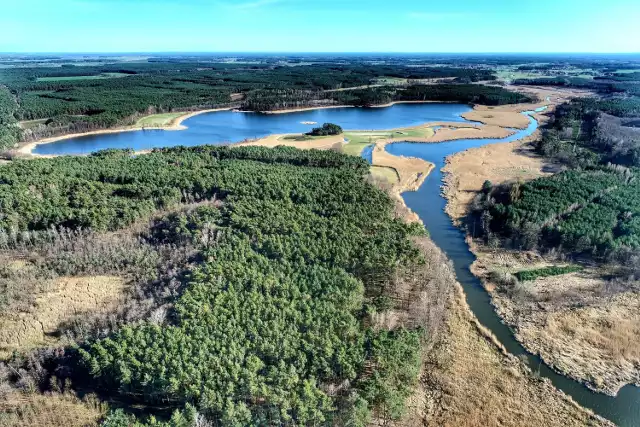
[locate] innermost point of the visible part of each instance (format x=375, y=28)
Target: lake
x=229, y=126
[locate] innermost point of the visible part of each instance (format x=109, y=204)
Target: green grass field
x=157, y=120
x=360, y=139
x=628, y=70
x=386, y=173
x=93, y=77
x=509, y=74
x=28, y=124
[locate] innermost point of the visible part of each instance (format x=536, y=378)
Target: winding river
x=429, y=204
x=427, y=201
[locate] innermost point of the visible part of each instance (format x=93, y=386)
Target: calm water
x=429, y=204
x=228, y=126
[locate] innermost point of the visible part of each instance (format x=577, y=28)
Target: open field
x=360, y=139
x=388, y=174
x=89, y=77
x=496, y=116
x=28, y=124
x=159, y=120
x=51, y=410
x=466, y=171
x=58, y=302
x=508, y=74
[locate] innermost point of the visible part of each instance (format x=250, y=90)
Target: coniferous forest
x=591, y=208
x=294, y=250
x=253, y=286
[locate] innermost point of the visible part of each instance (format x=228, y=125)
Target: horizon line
x=310, y=53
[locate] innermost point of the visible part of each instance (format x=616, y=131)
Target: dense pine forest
x=591, y=208
x=54, y=96
x=268, y=324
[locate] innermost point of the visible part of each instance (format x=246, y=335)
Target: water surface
x=229, y=126
x=427, y=202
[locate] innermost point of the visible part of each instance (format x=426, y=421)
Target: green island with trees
x=265, y=286
x=325, y=130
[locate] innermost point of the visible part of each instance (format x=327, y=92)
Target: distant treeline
x=613, y=83
x=266, y=100
x=9, y=130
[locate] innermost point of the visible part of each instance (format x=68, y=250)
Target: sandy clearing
x=481, y=132
x=488, y=116
x=277, y=140
x=466, y=171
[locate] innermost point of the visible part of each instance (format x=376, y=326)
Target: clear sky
x=320, y=26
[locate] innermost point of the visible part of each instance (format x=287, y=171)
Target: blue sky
x=320, y=26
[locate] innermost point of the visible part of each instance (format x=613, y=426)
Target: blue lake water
x=229, y=126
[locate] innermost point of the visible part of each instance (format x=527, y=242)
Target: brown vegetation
x=474, y=384
x=585, y=324
x=64, y=299
x=594, y=343
x=50, y=410
x=496, y=117
x=468, y=170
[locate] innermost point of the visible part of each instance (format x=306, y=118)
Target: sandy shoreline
x=509, y=118
x=442, y=135
x=473, y=375
x=176, y=124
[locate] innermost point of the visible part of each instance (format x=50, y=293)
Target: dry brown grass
x=411, y=170
x=453, y=132
x=576, y=322
x=466, y=171
x=478, y=386
x=63, y=299
x=497, y=117
x=49, y=410
x=597, y=343
x=385, y=173
x=323, y=143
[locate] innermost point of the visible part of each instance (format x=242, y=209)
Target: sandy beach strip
x=176, y=124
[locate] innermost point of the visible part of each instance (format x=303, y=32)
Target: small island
x=325, y=130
